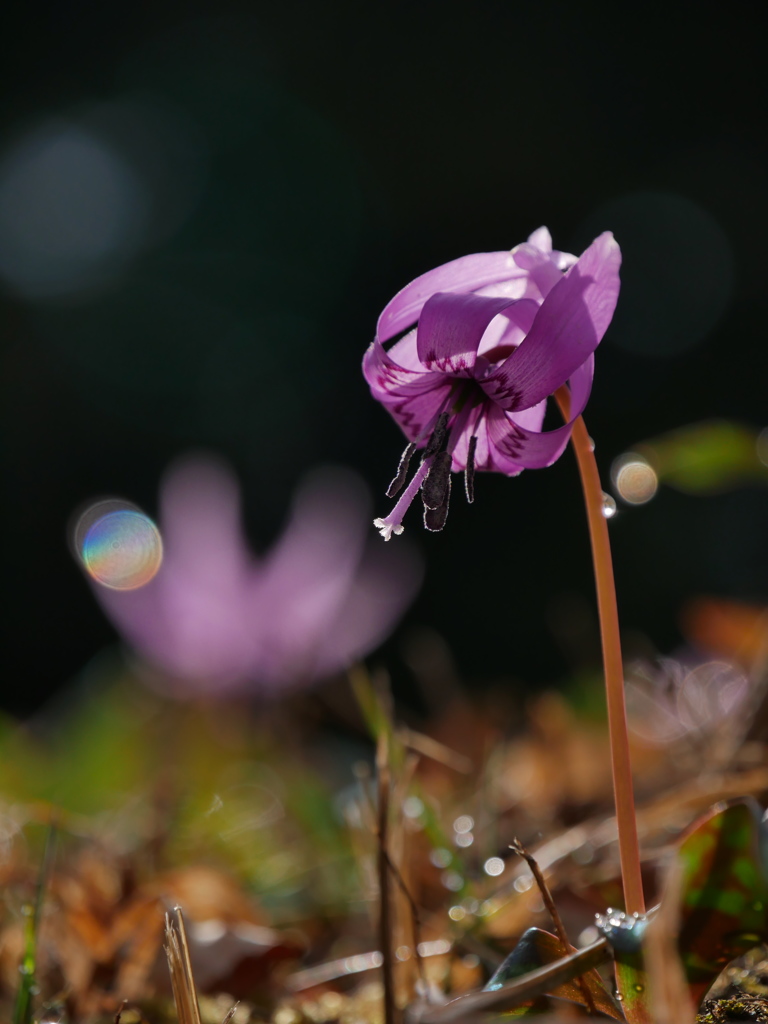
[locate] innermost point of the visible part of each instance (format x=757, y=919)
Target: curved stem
x=629, y=853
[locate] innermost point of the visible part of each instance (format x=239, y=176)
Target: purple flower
x=215, y=618
x=479, y=345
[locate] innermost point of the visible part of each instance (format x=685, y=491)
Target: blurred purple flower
x=217, y=619
x=481, y=344
x=676, y=699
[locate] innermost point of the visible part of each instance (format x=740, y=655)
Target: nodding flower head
x=474, y=349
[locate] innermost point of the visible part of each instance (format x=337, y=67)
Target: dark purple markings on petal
x=469, y=472
x=382, y=372
x=437, y=440
x=503, y=392
x=437, y=482
x=416, y=412
x=406, y=417
x=402, y=471
x=434, y=518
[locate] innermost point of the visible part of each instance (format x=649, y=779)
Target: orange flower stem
x=629, y=852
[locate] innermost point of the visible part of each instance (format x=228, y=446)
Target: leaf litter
x=275, y=842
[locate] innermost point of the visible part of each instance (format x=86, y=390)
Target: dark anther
x=469, y=472
x=437, y=439
x=434, y=518
x=437, y=481
x=402, y=471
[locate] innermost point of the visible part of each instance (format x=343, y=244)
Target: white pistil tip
x=387, y=529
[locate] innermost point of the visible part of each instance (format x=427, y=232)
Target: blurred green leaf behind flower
x=708, y=457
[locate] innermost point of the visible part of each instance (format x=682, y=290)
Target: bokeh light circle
x=119, y=546
x=72, y=211
x=634, y=479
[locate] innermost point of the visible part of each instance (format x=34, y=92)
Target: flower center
x=467, y=393
x=433, y=477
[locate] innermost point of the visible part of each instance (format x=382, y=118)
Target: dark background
x=285, y=168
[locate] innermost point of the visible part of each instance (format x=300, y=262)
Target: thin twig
x=180, y=966
x=533, y=984
x=549, y=903
x=415, y=920
x=119, y=1014
x=415, y=917
x=435, y=750
x=385, y=924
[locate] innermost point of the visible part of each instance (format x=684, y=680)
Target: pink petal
x=308, y=574
x=510, y=327
x=466, y=274
x=450, y=329
x=517, y=446
x=201, y=520
x=413, y=398
x=532, y=418
x=416, y=414
x=568, y=328
x=539, y=266
x=405, y=353
x=385, y=376
x=192, y=619
x=386, y=582
x=541, y=239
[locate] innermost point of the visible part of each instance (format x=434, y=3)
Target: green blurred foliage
x=196, y=782
x=708, y=457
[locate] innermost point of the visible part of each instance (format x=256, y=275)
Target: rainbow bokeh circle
x=122, y=549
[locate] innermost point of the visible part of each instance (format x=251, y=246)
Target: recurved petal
x=567, y=329
x=404, y=353
x=385, y=376
x=450, y=329
x=515, y=444
x=417, y=411
x=508, y=329
x=466, y=274
x=413, y=398
x=530, y=419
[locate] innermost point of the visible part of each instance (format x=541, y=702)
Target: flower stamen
x=434, y=518
x=393, y=523
x=402, y=471
x=437, y=440
x=435, y=486
x=469, y=472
